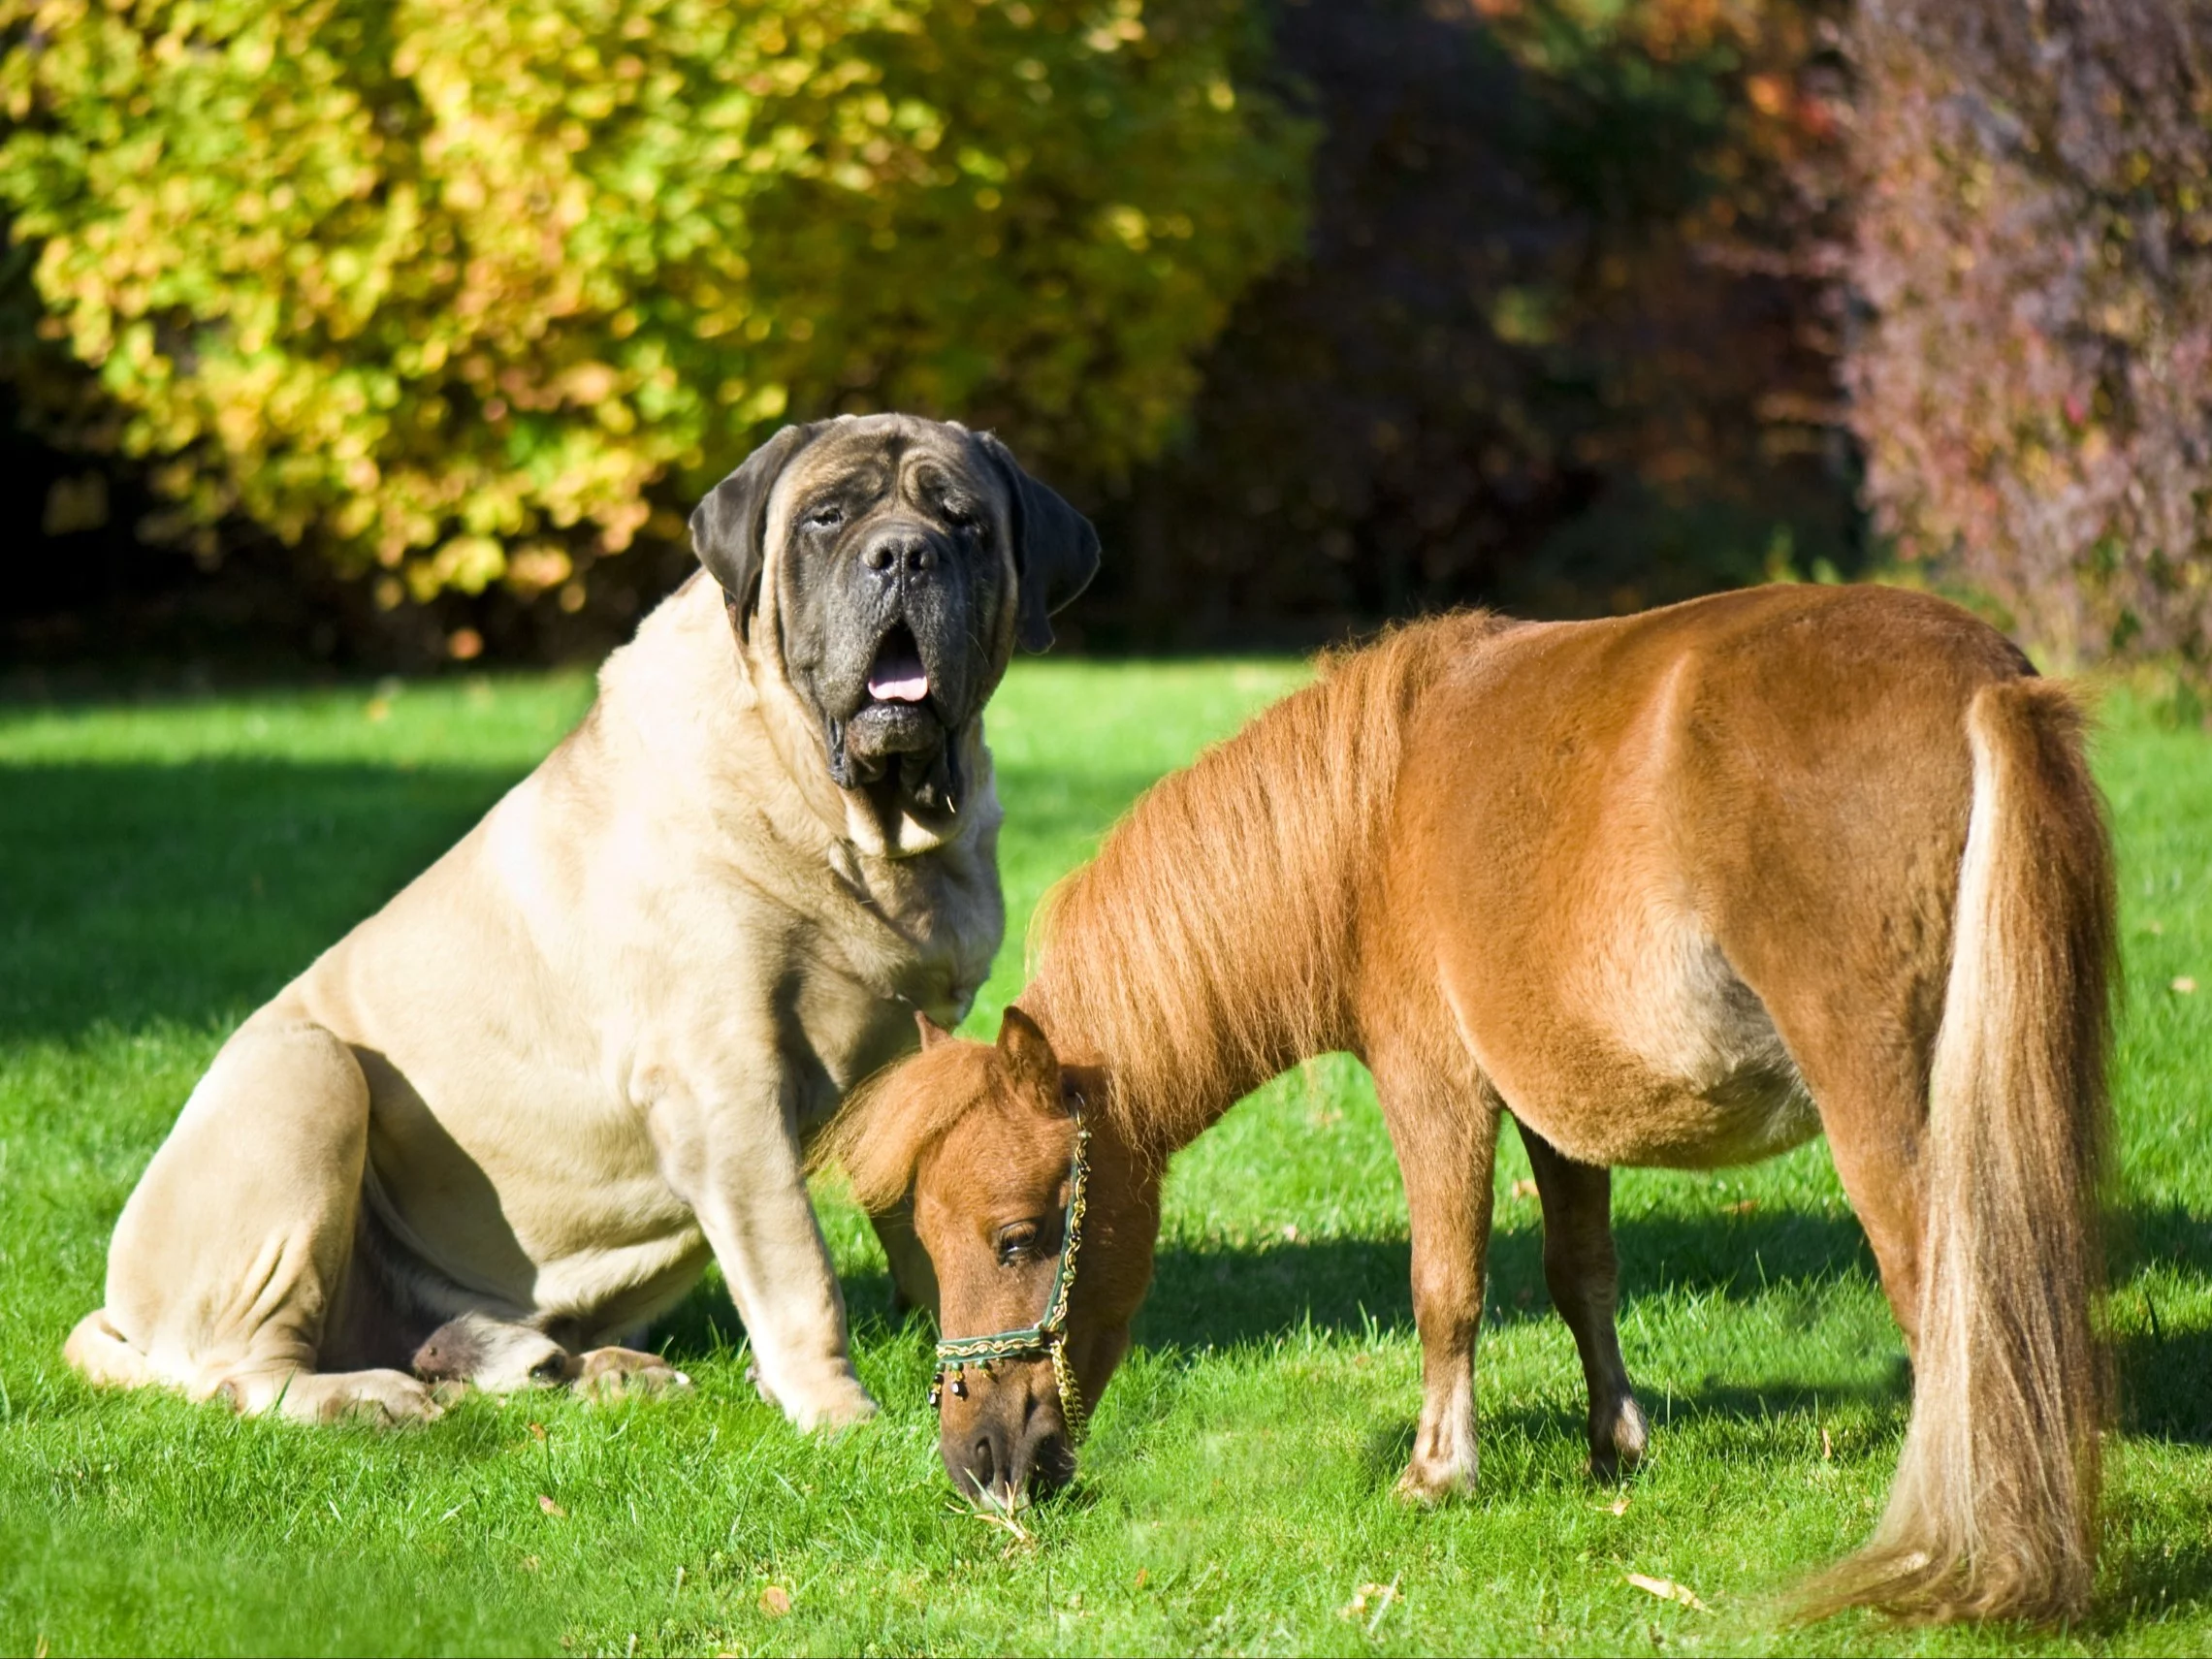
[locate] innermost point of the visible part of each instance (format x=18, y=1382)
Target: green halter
x=1047, y=1338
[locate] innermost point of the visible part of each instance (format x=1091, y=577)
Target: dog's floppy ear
x=727, y=526
x=1055, y=550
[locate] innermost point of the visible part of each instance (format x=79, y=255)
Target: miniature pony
x=1684, y=888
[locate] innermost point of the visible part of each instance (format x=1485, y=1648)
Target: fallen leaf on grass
x=1827, y=1445
x=550, y=1508
x=1619, y=1505
x=1742, y=1209
x=537, y=1431
x=775, y=1601
x=2185, y=986
x=1367, y=1595
x=1522, y=1190
x=1144, y=1577
x=1667, y=1591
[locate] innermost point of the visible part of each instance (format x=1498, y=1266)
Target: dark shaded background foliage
x=1601, y=305
x=1564, y=339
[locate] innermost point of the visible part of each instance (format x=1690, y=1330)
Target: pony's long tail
x=1993, y=1513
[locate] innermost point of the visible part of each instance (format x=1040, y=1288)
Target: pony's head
x=983, y=1138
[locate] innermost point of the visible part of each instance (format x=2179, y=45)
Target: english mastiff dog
x=501, y=1124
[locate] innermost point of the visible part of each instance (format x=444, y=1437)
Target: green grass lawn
x=165, y=867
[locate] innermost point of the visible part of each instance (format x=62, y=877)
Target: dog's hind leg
x=100, y=1354
x=236, y=1247
x=1583, y=1275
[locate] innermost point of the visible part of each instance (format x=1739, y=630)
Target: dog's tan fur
x=522, y=1103
x=1684, y=888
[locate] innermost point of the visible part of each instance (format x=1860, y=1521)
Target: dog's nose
x=900, y=550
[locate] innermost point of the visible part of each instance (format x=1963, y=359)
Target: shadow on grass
x=2146, y=1569
x=194, y=892
x=1222, y=1294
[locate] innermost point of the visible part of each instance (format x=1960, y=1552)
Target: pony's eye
x=1015, y=1242
x=549, y=1369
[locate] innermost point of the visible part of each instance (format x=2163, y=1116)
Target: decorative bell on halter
x=959, y=1385
x=936, y=1391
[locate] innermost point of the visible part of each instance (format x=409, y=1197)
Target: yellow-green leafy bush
x=466, y=289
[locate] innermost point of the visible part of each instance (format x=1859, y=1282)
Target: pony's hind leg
x=1446, y=1139
x=1583, y=1275
x=1873, y=1116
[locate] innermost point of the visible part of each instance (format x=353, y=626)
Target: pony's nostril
x=986, y=1466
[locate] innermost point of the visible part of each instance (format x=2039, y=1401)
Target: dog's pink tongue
x=898, y=677
x=904, y=688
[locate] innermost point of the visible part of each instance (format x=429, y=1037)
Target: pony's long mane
x=1204, y=948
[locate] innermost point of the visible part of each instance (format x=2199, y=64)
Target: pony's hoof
x=1618, y=1450
x=1429, y=1486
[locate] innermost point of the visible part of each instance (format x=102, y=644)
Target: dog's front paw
x=607, y=1374
x=832, y=1408
x=760, y=1384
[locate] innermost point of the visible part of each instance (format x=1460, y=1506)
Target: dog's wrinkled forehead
x=881, y=463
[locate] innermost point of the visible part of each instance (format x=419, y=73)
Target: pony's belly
x=1751, y=1117
x=1670, y=1124
x=1660, y=1056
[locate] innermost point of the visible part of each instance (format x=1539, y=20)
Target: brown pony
x=1684, y=888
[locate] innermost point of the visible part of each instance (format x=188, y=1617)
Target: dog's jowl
x=503, y=1123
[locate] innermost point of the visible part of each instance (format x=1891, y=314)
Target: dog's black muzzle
x=903, y=716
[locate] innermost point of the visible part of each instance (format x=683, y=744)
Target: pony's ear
x=1028, y=1050
x=932, y=1034
x=729, y=527
x=1055, y=549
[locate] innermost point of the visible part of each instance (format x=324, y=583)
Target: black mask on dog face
x=910, y=555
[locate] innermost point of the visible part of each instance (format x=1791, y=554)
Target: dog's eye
x=551, y=1369
x=1016, y=1242
x=962, y=515
x=826, y=517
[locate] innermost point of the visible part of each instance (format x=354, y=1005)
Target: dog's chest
x=928, y=927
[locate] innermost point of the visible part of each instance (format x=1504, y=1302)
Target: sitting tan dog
x=501, y=1124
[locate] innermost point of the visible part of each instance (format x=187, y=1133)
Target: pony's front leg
x=1446, y=1140
x=1583, y=1275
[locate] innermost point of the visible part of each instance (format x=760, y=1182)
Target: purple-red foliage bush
x=2035, y=245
